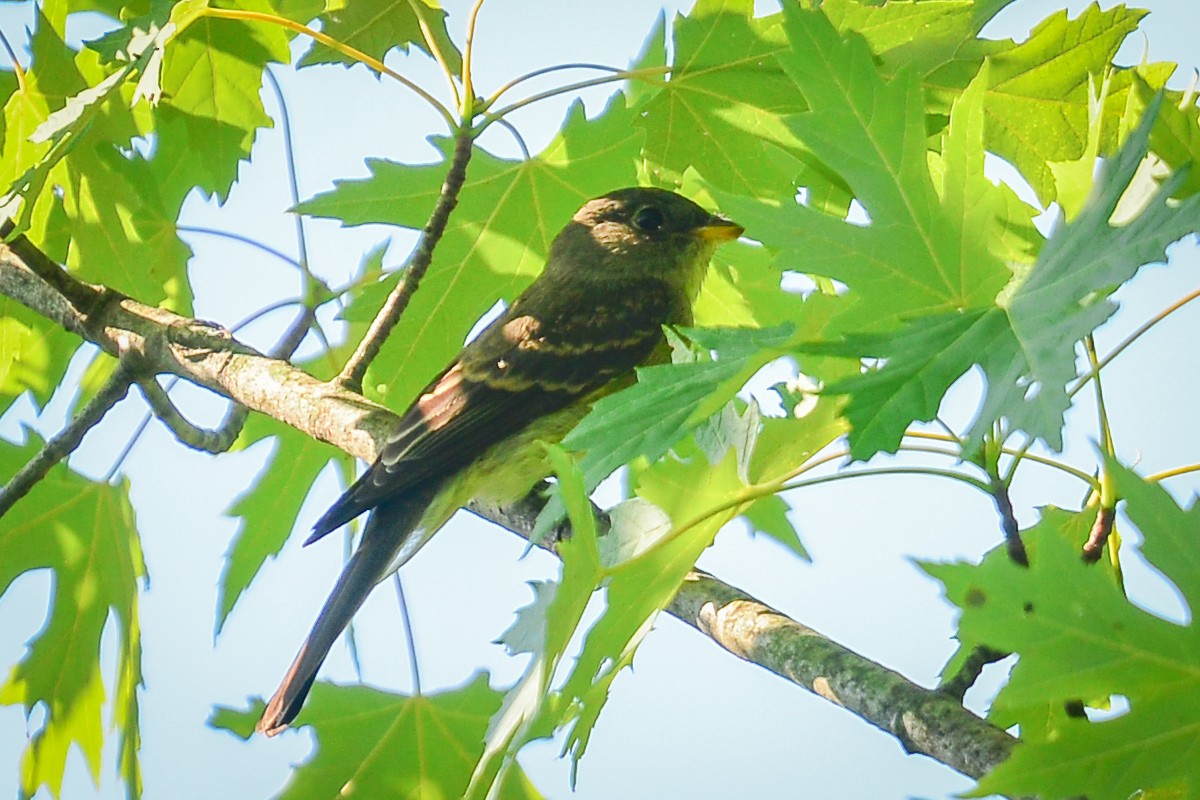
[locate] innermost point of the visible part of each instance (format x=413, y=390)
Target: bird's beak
x=719, y=229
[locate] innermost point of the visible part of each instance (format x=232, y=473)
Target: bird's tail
x=383, y=540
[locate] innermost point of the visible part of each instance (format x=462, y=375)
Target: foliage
x=1090, y=642
x=918, y=269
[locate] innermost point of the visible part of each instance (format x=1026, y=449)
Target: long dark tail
x=385, y=534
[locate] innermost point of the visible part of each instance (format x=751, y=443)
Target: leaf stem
x=309, y=291
x=1174, y=472
x=508, y=126
x=409, y=639
x=1015, y=453
x=237, y=237
x=537, y=73
x=344, y=49
x=18, y=71
x=1133, y=337
x=466, y=108
x=758, y=491
x=646, y=72
x=431, y=42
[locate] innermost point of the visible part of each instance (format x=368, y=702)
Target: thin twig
x=18, y=70
x=431, y=42
x=998, y=489
x=237, y=237
x=1130, y=339
x=217, y=440
x=972, y=668
x=351, y=376
x=63, y=444
x=289, y=152
x=1106, y=513
x=1102, y=527
x=334, y=44
x=409, y=639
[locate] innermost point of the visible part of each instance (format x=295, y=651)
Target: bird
x=627, y=264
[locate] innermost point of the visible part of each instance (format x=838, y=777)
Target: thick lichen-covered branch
x=161, y=341
x=925, y=721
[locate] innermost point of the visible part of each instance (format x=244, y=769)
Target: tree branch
x=62, y=445
x=351, y=376
x=203, y=353
x=216, y=440
x=924, y=721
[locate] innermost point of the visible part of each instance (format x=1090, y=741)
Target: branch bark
x=925, y=721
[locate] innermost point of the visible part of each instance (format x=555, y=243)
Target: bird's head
x=641, y=232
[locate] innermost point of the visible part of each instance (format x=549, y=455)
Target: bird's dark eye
x=648, y=218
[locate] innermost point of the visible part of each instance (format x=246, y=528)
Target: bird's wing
x=523, y=367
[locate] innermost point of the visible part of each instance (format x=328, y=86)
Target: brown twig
x=1093, y=548
x=352, y=374
x=65, y=442
x=216, y=440
x=958, y=684
x=998, y=489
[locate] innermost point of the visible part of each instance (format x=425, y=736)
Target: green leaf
x=769, y=516
x=1175, y=138
x=1038, y=90
x=921, y=362
x=919, y=252
x=240, y=723
x=377, y=26
x=544, y=629
x=497, y=238
x=1065, y=296
x=34, y=354
x=917, y=34
x=1078, y=636
x=721, y=113
x=641, y=587
x=85, y=533
x=742, y=290
x=268, y=508
x=378, y=744
x=211, y=110
x=108, y=206
x=1025, y=345
x=122, y=234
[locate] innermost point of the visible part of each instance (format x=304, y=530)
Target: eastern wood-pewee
x=626, y=264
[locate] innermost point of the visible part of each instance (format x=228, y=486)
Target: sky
x=688, y=720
